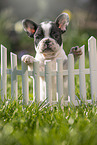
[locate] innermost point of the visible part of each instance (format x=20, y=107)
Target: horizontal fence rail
x=48, y=73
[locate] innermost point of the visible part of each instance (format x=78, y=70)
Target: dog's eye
x=55, y=34
x=52, y=33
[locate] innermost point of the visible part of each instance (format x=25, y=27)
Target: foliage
x=7, y=20
x=38, y=125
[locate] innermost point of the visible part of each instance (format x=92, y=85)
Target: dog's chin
x=48, y=54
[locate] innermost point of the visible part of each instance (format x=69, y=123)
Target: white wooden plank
x=36, y=81
x=14, y=88
x=59, y=75
x=93, y=67
x=82, y=80
x=3, y=73
x=71, y=82
x=25, y=85
x=48, y=81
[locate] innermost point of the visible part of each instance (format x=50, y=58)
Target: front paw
x=28, y=59
x=76, y=51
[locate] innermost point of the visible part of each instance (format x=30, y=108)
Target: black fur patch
x=55, y=33
x=39, y=35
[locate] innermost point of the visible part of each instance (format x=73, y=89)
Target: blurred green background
x=83, y=22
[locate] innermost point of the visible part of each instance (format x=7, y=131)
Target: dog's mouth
x=48, y=47
x=48, y=52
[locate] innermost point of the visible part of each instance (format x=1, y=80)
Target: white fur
x=46, y=27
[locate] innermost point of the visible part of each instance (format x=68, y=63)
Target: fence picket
x=93, y=67
x=59, y=75
x=3, y=73
x=36, y=81
x=71, y=82
x=48, y=81
x=82, y=75
x=25, y=85
x=14, y=90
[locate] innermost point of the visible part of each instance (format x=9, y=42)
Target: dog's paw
x=28, y=59
x=76, y=51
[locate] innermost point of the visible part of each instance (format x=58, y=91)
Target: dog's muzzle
x=48, y=46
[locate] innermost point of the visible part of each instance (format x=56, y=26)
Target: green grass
x=37, y=125
x=40, y=124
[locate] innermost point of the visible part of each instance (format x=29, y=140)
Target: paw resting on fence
x=27, y=59
x=76, y=51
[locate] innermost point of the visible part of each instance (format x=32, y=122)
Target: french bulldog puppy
x=49, y=46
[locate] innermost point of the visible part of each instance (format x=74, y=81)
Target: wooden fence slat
x=59, y=75
x=25, y=85
x=3, y=73
x=71, y=82
x=93, y=67
x=14, y=88
x=82, y=80
x=36, y=81
x=48, y=81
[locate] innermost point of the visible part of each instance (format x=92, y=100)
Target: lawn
x=40, y=124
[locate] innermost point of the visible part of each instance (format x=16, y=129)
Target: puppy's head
x=47, y=35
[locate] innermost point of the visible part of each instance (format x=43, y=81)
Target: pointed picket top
x=92, y=38
x=13, y=56
x=2, y=46
x=91, y=43
x=11, y=53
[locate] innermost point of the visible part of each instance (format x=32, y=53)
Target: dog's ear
x=62, y=21
x=29, y=26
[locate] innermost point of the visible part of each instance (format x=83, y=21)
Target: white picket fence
x=59, y=73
